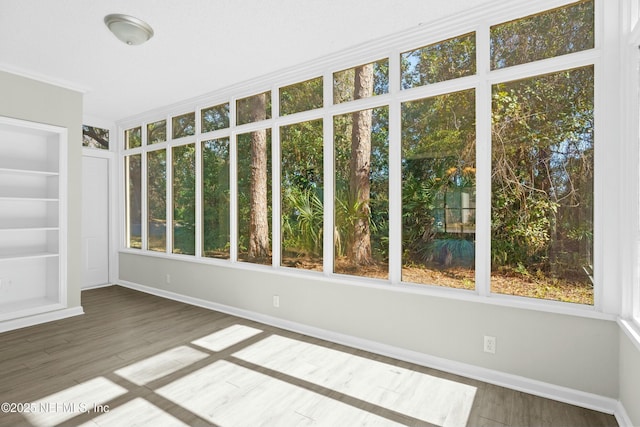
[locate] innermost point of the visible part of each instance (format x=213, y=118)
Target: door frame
x=110, y=156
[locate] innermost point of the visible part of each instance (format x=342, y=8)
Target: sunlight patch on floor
x=435, y=400
x=73, y=401
x=160, y=365
x=137, y=412
x=229, y=395
x=226, y=337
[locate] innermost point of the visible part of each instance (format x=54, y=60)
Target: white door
x=95, y=221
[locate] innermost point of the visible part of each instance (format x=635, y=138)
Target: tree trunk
x=259, y=221
x=359, y=168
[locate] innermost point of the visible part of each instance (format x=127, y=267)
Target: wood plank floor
x=138, y=359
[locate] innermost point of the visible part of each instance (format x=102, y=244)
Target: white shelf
x=28, y=307
x=29, y=228
x=33, y=215
x=27, y=255
x=27, y=223
x=27, y=199
x=27, y=172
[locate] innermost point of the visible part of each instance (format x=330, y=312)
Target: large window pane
x=301, y=96
x=157, y=132
x=214, y=118
x=301, y=191
x=157, y=200
x=438, y=62
x=253, y=109
x=133, y=138
x=184, y=199
x=347, y=83
x=215, y=198
x=542, y=186
x=438, y=190
x=184, y=125
x=133, y=180
x=254, y=196
x=545, y=35
x=361, y=237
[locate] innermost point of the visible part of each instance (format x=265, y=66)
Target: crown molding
x=65, y=84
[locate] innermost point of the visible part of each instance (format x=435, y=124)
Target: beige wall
x=569, y=351
x=630, y=378
x=32, y=100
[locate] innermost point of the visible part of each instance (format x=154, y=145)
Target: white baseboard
x=36, y=319
x=88, y=288
x=551, y=391
x=622, y=417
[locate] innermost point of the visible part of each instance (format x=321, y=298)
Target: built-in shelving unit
x=32, y=218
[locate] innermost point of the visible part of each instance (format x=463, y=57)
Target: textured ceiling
x=199, y=45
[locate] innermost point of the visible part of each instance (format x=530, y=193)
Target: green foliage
x=133, y=137
x=417, y=218
x=521, y=234
x=184, y=125
x=545, y=35
x=216, y=117
x=157, y=199
x=215, y=198
x=302, y=96
x=302, y=184
x=157, y=132
x=184, y=199
x=133, y=168
x=347, y=209
x=438, y=167
x=445, y=60
x=542, y=182
x=450, y=251
x=302, y=227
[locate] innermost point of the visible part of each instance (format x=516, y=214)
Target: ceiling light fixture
x=130, y=30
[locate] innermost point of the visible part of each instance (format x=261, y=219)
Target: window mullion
x=169, y=200
x=276, y=198
x=328, y=165
x=144, y=199
x=395, y=171
x=612, y=267
x=198, y=185
x=233, y=191
x=276, y=193
x=198, y=197
x=483, y=164
x=233, y=183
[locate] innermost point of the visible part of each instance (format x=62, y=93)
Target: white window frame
x=605, y=58
x=631, y=101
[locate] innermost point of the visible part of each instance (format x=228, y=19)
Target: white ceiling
x=199, y=45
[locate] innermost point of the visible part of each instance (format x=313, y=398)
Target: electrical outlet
x=489, y=344
x=276, y=301
x=168, y=278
